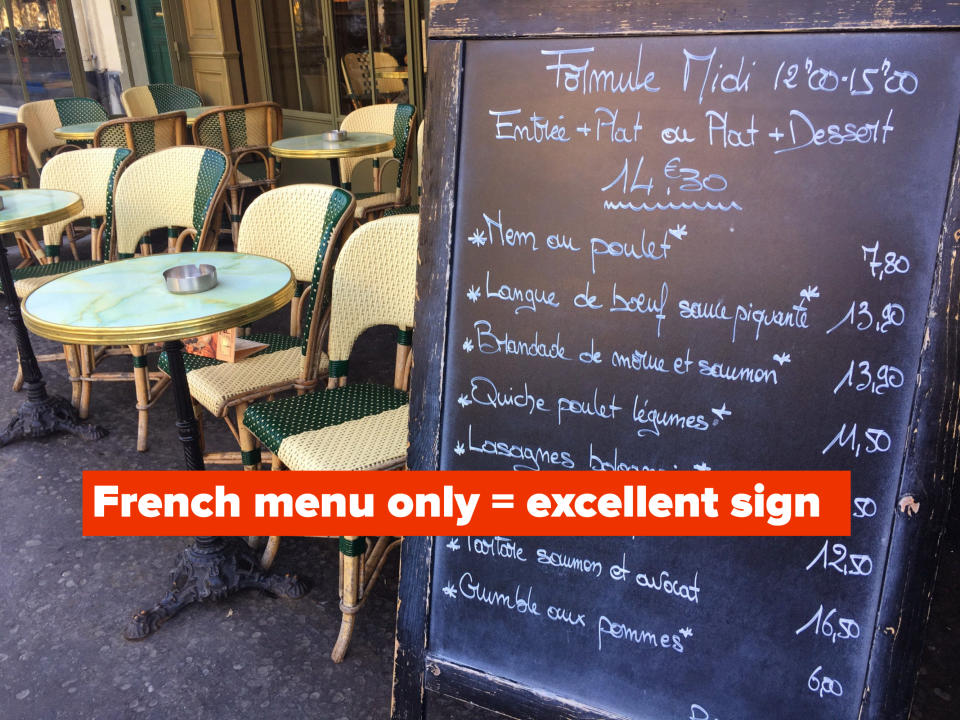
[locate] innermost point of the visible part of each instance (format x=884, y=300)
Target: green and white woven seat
x=302, y=226
x=244, y=133
x=146, y=100
x=373, y=284
x=393, y=119
x=358, y=426
x=42, y=117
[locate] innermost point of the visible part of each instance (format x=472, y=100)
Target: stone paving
x=65, y=599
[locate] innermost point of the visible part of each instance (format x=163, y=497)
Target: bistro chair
x=178, y=187
x=92, y=174
x=392, y=119
x=144, y=135
x=360, y=426
x=302, y=226
x=356, y=77
x=412, y=209
x=42, y=117
x=244, y=133
x=147, y=100
x=15, y=174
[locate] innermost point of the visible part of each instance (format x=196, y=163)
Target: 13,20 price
x=861, y=317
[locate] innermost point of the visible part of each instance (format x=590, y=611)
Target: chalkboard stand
x=926, y=478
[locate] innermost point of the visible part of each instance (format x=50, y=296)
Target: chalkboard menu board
x=689, y=252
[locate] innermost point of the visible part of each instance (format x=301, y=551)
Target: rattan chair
x=15, y=174
x=358, y=426
x=92, y=174
x=176, y=187
x=356, y=77
x=396, y=120
x=145, y=135
x=412, y=209
x=147, y=100
x=42, y=117
x=302, y=226
x=244, y=133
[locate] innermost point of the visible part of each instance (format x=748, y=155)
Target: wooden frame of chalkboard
x=931, y=450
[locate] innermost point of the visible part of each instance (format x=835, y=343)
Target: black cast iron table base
x=213, y=568
x=40, y=414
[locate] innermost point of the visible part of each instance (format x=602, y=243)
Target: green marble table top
x=127, y=302
x=193, y=112
x=25, y=209
x=315, y=146
x=78, y=131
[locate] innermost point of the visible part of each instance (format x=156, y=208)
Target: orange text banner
x=459, y=503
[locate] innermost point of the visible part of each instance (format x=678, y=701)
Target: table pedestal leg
x=213, y=568
x=40, y=414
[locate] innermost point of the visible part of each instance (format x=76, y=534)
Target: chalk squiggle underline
x=644, y=207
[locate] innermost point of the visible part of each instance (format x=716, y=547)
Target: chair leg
x=249, y=445
x=18, y=380
x=70, y=352
x=87, y=363
x=350, y=566
x=198, y=416
x=71, y=242
x=141, y=380
x=234, y=209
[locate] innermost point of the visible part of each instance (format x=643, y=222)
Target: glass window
x=296, y=55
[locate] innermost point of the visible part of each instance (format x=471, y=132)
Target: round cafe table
x=393, y=73
x=127, y=303
x=40, y=414
x=84, y=132
x=356, y=144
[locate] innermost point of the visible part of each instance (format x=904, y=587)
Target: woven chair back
x=147, y=100
x=302, y=226
x=176, y=187
x=42, y=117
x=13, y=155
x=389, y=118
x=92, y=174
x=239, y=127
x=143, y=135
x=374, y=282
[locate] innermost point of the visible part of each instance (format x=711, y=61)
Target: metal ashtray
x=335, y=135
x=185, y=279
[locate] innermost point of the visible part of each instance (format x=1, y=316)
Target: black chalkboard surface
x=689, y=252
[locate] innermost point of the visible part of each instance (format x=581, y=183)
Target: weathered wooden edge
x=517, y=18
x=413, y=606
x=441, y=143
x=504, y=696
x=930, y=462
